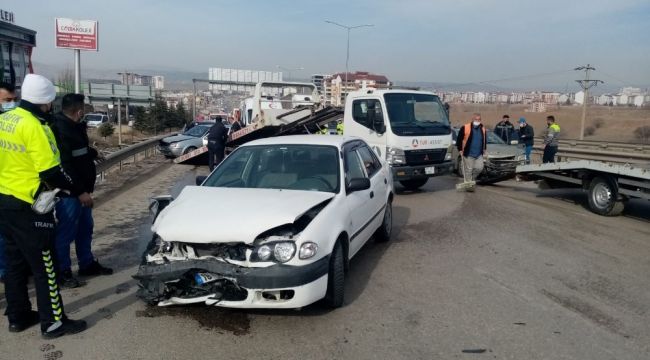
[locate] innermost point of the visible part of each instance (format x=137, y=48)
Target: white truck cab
x=410, y=129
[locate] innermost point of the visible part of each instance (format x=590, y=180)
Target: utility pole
x=585, y=84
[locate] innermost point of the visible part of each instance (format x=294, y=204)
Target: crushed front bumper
x=276, y=286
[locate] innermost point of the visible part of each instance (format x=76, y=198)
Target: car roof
x=331, y=140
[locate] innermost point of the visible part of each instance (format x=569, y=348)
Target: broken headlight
x=277, y=251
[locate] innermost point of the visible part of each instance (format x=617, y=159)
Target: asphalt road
x=508, y=272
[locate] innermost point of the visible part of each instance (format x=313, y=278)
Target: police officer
x=7, y=103
x=29, y=164
x=217, y=136
x=74, y=216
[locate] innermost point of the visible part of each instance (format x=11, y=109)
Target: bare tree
x=65, y=80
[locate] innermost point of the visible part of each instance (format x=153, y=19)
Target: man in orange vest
x=471, y=144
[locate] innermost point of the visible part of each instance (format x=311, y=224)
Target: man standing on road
x=217, y=136
x=74, y=214
x=471, y=144
x=29, y=165
x=7, y=103
x=550, y=140
x=526, y=137
x=235, y=124
x=504, y=129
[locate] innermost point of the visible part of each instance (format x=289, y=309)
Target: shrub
x=598, y=123
x=590, y=130
x=106, y=129
x=642, y=133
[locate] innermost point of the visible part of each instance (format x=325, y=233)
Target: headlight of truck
x=395, y=156
x=307, y=250
x=450, y=149
x=278, y=251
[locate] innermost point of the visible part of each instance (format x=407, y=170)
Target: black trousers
x=29, y=240
x=215, y=156
x=549, y=154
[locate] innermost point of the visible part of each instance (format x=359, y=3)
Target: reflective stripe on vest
x=28, y=148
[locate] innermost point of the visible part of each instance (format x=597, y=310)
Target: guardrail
x=608, y=151
x=148, y=147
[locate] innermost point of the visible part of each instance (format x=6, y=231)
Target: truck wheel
x=603, y=197
x=414, y=184
x=383, y=232
x=336, y=278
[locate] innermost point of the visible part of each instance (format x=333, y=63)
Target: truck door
x=366, y=116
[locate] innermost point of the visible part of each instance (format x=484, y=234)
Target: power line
x=522, y=77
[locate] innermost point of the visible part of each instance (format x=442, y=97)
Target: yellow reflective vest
x=27, y=147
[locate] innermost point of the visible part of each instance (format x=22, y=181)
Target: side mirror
x=358, y=184
x=200, y=179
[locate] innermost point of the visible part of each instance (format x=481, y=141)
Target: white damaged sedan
x=273, y=226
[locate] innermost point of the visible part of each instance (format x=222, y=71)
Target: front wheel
x=336, y=278
x=189, y=150
x=603, y=197
x=414, y=184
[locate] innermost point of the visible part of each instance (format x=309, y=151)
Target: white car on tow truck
x=273, y=226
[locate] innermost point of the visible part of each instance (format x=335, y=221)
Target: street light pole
x=347, y=54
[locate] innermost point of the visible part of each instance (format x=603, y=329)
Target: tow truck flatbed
x=609, y=185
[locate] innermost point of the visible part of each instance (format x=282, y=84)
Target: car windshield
x=289, y=167
x=197, y=131
x=416, y=114
x=93, y=117
x=493, y=138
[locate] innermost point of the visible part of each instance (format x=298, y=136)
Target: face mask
x=8, y=106
x=476, y=123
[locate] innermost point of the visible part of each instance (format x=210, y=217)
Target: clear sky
x=461, y=41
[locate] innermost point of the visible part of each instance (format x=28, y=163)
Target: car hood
x=176, y=138
x=203, y=214
x=498, y=150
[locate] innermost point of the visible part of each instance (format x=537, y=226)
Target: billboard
x=76, y=34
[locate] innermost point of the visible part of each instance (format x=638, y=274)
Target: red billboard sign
x=76, y=34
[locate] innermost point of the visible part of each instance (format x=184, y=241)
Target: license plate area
x=430, y=170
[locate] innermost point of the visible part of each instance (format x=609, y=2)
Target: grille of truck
x=425, y=157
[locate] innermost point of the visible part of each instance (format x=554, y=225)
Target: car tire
x=336, y=278
x=189, y=149
x=603, y=197
x=384, y=231
x=413, y=184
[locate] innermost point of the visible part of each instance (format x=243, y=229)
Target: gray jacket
x=551, y=135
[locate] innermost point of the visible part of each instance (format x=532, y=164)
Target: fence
x=118, y=158
x=600, y=151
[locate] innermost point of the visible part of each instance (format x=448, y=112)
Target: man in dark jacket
x=526, y=137
x=504, y=129
x=74, y=215
x=217, y=136
x=472, y=144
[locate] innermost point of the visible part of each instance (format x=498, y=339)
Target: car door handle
x=385, y=181
x=372, y=194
